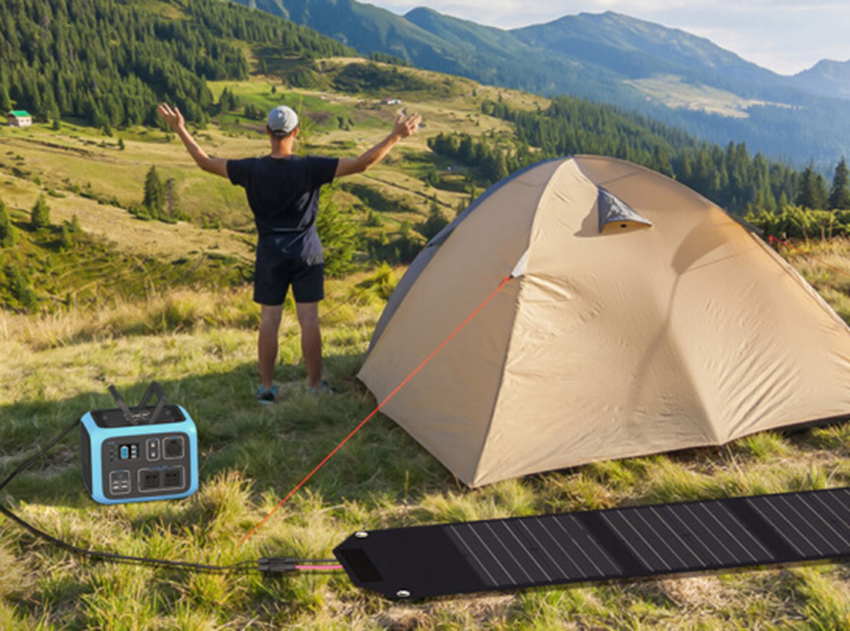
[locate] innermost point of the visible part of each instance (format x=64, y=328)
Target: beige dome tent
x=641, y=318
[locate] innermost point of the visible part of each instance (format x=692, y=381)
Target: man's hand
x=172, y=116
x=405, y=126
x=174, y=119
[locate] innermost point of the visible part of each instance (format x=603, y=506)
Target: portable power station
x=139, y=454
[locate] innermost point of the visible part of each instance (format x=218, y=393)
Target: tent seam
x=440, y=239
x=507, y=354
x=502, y=372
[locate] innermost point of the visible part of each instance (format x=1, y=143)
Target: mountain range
x=666, y=73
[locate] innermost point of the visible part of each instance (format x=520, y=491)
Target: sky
x=785, y=36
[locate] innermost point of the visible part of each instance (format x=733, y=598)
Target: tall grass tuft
x=826, y=602
x=183, y=310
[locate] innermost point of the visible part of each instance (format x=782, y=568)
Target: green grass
x=203, y=353
x=90, y=270
x=673, y=92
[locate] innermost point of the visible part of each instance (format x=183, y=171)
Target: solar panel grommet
x=403, y=593
x=361, y=535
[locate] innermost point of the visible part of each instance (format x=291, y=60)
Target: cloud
x=783, y=35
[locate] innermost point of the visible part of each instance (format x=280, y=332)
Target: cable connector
x=277, y=565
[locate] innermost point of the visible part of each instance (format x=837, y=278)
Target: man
x=283, y=193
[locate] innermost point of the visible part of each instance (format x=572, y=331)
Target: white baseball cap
x=283, y=119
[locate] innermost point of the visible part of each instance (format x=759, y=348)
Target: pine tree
x=500, y=166
x=5, y=101
x=40, y=216
x=435, y=222
x=839, y=195
x=227, y=102
x=21, y=288
x=66, y=236
x=812, y=191
x=154, y=199
x=7, y=230
x=338, y=232
x=171, y=198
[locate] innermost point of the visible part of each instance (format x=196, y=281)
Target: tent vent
x=617, y=216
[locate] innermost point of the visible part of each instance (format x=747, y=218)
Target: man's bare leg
x=311, y=341
x=267, y=343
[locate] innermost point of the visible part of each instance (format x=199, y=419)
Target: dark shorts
x=271, y=282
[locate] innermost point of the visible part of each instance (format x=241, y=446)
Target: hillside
x=827, y=78
x=61, y=59
x=608, y=58
x=99, y=179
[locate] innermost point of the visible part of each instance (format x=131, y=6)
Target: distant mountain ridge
x=827, y=78
x=608, y=57
x=635, y=47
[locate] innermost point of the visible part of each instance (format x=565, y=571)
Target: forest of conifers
x=108, y=63
x=730, y=176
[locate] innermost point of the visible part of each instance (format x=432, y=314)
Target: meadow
x=199, y=345
x=198, y=340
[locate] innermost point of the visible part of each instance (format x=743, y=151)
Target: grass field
x=199, y=342
x=674, y=93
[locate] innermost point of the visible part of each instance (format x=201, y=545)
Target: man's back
x=283, y=192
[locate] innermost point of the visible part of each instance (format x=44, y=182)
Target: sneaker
x=323, y=388
x=266, y=397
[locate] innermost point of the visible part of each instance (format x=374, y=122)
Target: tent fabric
x=421, y=261
x=689, y=332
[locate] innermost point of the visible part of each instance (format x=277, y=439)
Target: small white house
x=390, y=101
x=19, y=118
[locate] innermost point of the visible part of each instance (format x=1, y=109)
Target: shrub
x=338, y=233
x=40, y=217
x=435, y=222
x=795, y=222
x=22, y=292
x=7, y=230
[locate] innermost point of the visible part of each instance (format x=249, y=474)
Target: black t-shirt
x=284, y=196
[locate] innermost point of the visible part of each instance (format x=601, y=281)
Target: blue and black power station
x=139, y=454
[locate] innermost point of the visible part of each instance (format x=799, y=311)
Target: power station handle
x=128, y=415
x=133, y=418
x=154, y=388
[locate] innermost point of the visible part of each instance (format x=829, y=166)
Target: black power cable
x=268, y=565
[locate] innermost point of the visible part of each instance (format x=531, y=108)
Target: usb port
x=119, y=482
x=124, y=452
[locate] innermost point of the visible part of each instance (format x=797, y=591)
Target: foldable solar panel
x=605, y=545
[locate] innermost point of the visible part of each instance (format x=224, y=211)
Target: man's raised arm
x=402, y=128
x=174, y=119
